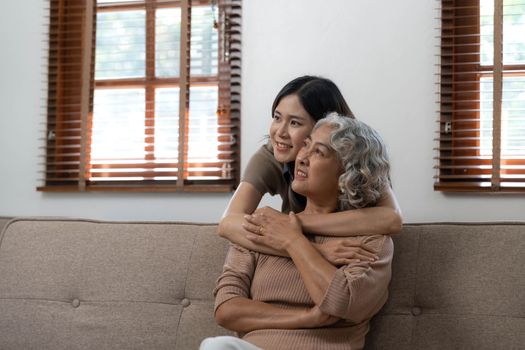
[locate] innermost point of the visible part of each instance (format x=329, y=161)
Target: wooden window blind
x=143, y=95
x=481, y=143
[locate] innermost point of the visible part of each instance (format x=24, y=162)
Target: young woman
x=297, y=107
x=305, y=302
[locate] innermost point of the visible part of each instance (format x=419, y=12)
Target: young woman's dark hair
x=319, y=96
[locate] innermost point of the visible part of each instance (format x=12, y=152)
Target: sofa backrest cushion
x=455, y=286
x=3, y=221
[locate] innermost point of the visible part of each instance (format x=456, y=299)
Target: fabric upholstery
x=3, y=222
x=79, y=284
x=94, y=285
x=455, y=286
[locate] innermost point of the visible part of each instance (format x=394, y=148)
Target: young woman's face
x=317, y=168
x=291, y=124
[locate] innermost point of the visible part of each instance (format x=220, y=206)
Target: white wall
x=380, y=53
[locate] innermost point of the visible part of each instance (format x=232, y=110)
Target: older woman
x=304, y=302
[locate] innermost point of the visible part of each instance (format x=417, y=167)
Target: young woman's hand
x=273, y=229
x=346, y=251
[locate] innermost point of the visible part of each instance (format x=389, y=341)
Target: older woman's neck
x=317, y=207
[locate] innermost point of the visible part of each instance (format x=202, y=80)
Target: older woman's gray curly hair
x=364, y=160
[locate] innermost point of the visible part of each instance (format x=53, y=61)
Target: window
x=482, y=96
x=143, y=95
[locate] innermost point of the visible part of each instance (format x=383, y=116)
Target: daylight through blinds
x=481, y=143
x=143, y=95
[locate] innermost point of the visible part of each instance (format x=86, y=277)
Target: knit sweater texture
x=355, y=294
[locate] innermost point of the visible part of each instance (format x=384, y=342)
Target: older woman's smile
x=300, y=174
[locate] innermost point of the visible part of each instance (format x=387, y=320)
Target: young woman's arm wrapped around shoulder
x=382, y=219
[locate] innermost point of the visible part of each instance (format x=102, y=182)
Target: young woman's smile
x=291, y=124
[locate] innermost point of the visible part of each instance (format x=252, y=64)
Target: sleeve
x=358, y=291
x=264, y=172
x=236, y=277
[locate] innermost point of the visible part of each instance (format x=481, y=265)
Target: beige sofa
x=78, y=284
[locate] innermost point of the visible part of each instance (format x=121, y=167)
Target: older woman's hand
x=273, y=229
x=251, y=224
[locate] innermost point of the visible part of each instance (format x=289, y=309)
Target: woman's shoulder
x=264, y=172
x=264, y=158
x=265, y=152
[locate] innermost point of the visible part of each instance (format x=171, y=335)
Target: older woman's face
x=317, y=168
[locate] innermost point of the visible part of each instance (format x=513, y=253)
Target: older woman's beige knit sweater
x=355, y=294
